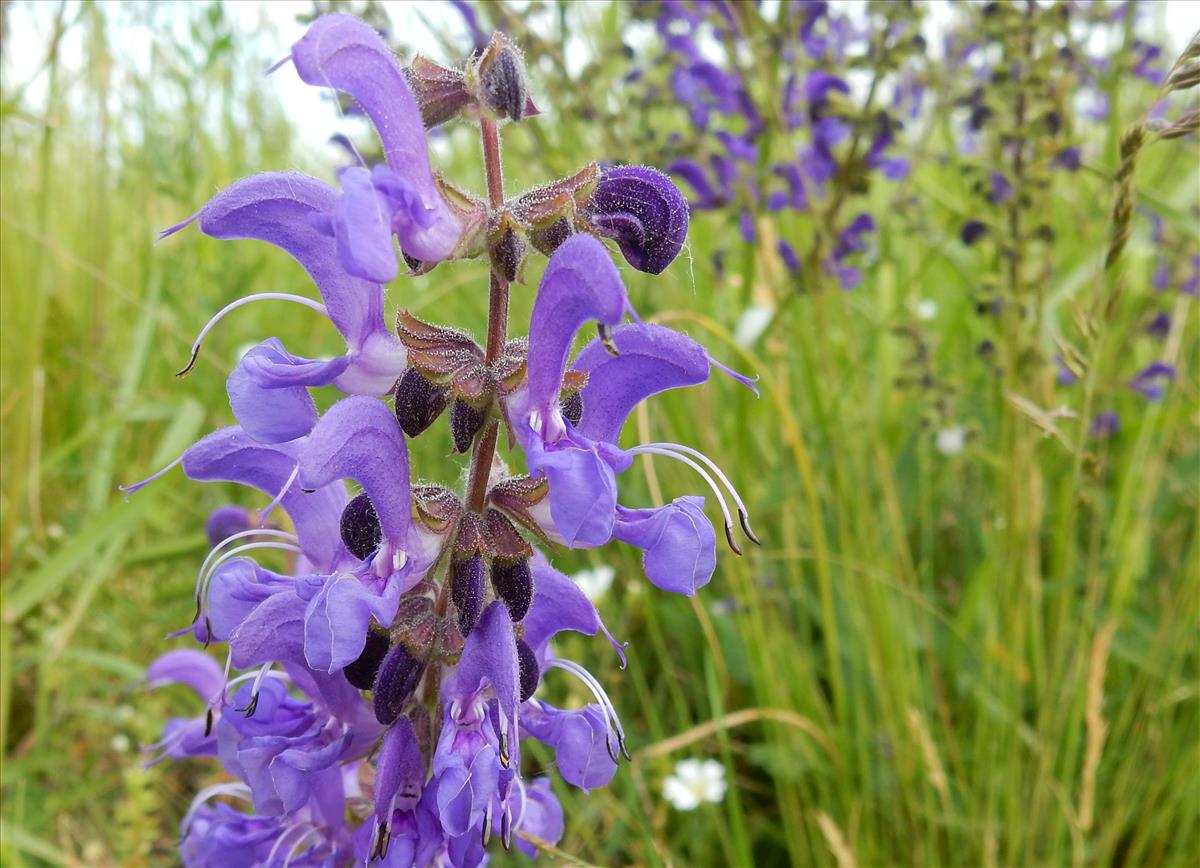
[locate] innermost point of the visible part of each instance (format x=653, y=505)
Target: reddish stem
x=497, y=331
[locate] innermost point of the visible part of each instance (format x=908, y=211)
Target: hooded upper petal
x=279, y=207
x=231, y=455
x=345, y=53
x=644, y=212
x=358, y=438
x=580, y=284
x=190, y=667
x=652, y=359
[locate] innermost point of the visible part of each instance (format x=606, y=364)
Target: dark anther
x=208, y=636
x=744, y=518
x=360, y=527
x=624, y=749
x=572, y=407
x=606, y=339
x=208, y=722
x=398, y=677
x=465, y=422
x=252, y=707
x=612, y=752
x=383, y=837
x=182, y=372
x=729, y=539
x=466, y=590
x=485, y=834
x=513, y=582
x=419, y=402
x=361, y=673
x=527, y=665
x=504, y=757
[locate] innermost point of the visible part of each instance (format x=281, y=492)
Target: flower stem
x=497, y=330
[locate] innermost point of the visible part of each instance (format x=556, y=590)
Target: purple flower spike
x=1151, y=381
x=644, y=212
x=344, y=53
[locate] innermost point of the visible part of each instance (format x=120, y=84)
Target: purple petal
x=542, y=817
x=236, y=588
x=224, y=521
x=358, y=438
x=583, y=491
x=344, y=53
x=580, y=284
x=268, y=391
x=362, y=228
x=679, y=543
x=490, y=657
x=579, y=739
x=230, y=455
x=273, y=632
x=400, y=771
x=652, y=359
x=336, y=620
x=189, y=667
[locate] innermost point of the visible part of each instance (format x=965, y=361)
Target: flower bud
x=361, y=673
x=513, y=583
x=440, y=92
x=507, y=248
x=398, y=677
x=466, y=591
x=465, y=422
x=643, y=211
x=501, y=72
x=527, y=666
x=361, y=533
x=419, y=401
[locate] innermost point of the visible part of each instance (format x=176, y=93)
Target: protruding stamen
x=504, y=757
x=300, y=842
x=235, y=789
x=206, y=580
x=275, y=501
x=743, y=513
x=306, y=824
x=524, y=803
x=267, y=532
x=486, y=833
x=234, y=305
x=127, y=490
x=612, y=721
x=208, y=721
x=660, y=449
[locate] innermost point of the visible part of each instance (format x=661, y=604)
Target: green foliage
x=987, y=658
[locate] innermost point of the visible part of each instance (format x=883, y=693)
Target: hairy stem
x=497, y=330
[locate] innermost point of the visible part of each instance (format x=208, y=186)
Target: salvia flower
x=377, y=687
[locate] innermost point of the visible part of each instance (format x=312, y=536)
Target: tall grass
x=981, y=659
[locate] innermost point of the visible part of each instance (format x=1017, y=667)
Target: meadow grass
x=980, y=659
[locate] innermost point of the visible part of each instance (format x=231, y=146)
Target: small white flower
x=926, y=309
x=594, y=582
x=751, y=324
x=120, y=743
x=695, y=781
x=950, y=441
